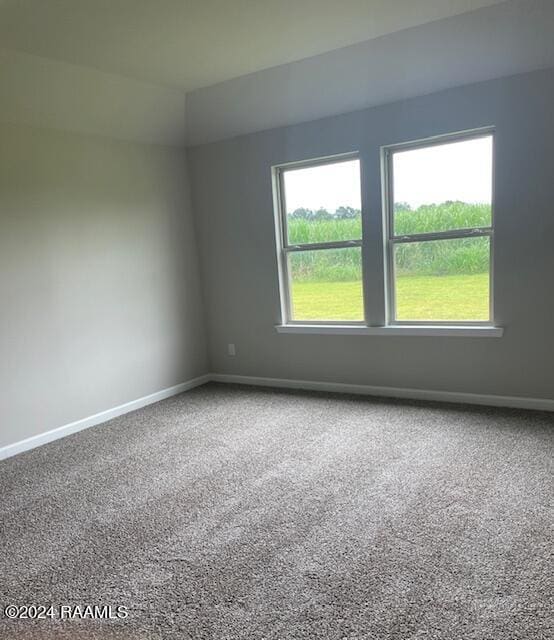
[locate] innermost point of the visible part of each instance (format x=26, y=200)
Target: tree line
x=349, y=213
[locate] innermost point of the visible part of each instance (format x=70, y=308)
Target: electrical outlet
x=231, y=349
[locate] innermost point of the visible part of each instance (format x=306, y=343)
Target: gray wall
x=99, y=290
x=232, y=200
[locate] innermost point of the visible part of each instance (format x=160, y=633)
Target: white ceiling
x=492, y=42
x=194, y=71
x=196, y=43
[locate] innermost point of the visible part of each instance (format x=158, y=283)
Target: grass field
x=431, y=217
x=457, y=297
x=444, y=279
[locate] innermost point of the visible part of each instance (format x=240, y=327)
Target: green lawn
x=459, y=297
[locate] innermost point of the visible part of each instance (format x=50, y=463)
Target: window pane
x=326, y=284
x=442, y=280
x=443, y=187
x=323, y=203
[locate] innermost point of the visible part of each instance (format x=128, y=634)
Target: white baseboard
x=98, y=418
x=518, y=402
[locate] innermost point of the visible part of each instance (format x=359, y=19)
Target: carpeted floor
x=231, y=512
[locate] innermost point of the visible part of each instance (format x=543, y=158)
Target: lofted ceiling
x=189, y=72
x=493, y=42
x=188, y=44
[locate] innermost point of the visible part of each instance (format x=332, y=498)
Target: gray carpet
x=231, y=512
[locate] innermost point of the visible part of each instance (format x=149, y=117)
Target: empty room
x=276, y=319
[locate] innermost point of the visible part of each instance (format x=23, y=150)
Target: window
x=437, y=226
x=439, y=231
x=320, y=229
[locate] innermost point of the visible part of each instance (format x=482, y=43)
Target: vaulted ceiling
x=193, y=71
x=196, y=43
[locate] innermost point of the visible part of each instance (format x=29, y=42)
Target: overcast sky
x=328, y=186
x=455, y=171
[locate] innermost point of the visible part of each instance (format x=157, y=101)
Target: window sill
x=477, y=331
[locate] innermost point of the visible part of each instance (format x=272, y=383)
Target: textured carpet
x=233, y=512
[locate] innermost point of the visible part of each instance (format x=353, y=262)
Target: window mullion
x=373, y=259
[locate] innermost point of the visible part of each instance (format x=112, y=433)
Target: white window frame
x=284, y=248
x=374, y=273
x=387, y=153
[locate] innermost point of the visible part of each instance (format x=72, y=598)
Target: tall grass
x=442, y=257
x=329, y=265
x=441, y=217
x=303, y=231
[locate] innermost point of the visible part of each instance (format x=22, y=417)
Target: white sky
x=453, y=171
x=328, y=186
